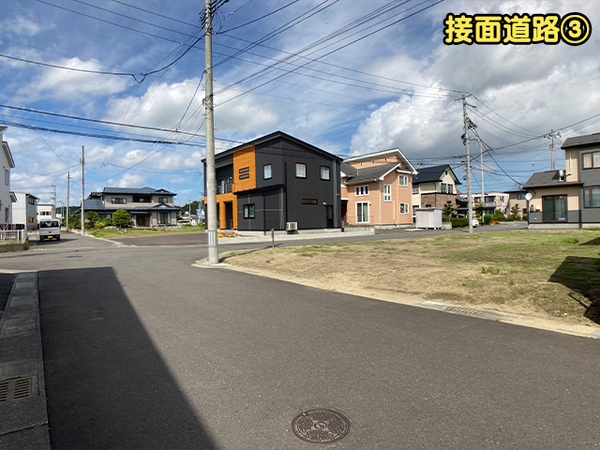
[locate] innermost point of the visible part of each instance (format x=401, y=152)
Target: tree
x=515, y=213
x=449, y=210
x=92, y=218
x=120, y=218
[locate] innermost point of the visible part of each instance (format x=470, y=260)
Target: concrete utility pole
x=482, y=188
x=211, y=177
x=68, y=193
x=82, y=191
x=466, y=139
x=552, y=135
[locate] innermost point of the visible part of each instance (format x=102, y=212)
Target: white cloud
x=67, y=85
x=128, y=180
x=19, y=25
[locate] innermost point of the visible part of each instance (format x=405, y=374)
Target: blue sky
x=349, y=76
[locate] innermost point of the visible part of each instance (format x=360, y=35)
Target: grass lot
x=542, y=274
x=108, y=233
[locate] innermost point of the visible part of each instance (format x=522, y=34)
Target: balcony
x=225, y=186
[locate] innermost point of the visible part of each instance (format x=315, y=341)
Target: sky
x=124, y=80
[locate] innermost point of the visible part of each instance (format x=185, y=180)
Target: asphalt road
x=142, y=350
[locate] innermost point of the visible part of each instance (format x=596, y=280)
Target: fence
x=16, y=232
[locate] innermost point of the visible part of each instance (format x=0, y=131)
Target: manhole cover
x=321, y=426
x=463, y=310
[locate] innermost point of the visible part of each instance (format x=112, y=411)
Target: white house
x=25, y=210
x=45, y=211
x=6, y=197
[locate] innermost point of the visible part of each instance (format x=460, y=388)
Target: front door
x=229, y=215
x=329, y=215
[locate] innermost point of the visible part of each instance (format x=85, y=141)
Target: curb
x=22, y=385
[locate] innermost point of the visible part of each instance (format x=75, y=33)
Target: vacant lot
x=540, y=274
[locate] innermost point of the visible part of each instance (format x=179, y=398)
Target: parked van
x=49, y=229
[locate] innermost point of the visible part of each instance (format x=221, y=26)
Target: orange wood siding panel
x=243, y=159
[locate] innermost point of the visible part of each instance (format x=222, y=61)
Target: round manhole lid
x=321, y=426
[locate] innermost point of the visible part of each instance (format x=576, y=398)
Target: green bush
x=120, y=218
x=487, y=219
x=459, y=223
x=499, y=215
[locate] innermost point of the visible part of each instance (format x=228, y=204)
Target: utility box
x=428, y=218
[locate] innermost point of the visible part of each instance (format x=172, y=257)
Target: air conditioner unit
x=291, y=226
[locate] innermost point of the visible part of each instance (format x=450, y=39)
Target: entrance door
x=229, y=215
x=142, y=221
x=329, y=215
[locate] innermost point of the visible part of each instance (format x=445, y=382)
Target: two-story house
x=376, y=189
x=491, y=202
x=6, y=197
x=570, y=197
x=274, y=181
x=24, y=210
x=147, y=207
x=434, y=187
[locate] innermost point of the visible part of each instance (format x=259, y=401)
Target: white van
x=49, y=229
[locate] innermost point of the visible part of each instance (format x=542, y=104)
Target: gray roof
x=145, y=190
x=588, y=140
x=370, y=174
x=348, y=169
x=93, y=204
x=433, y=173
x=549, y=178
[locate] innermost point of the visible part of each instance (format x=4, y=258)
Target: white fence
x=13, y=235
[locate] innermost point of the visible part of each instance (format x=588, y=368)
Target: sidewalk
x=252, y=237
x=23, y=409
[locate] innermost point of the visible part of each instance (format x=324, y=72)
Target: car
x=49, y=229
x=475, y=223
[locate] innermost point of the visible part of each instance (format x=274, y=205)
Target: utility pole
x=68, y=193
x=552, y=135
x=481, y=161
x=466, y=141
x=82, y=191
x=211, y=178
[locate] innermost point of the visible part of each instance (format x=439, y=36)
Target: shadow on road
x=581, y=275
x=107, y=385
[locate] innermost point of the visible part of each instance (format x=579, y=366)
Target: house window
x=404, y=209
x=324, y=173
x=450, y=188
x=361, y=190
x=6, y=177
x=118, y=200
x=521, y=196
x=591, y=197
x=415, y=189
x=249, y=211
x=444, y=188
x=403, y=180
x=387, y=192
x=554, y=208
x=591, y=160
x=244, y=173
x=141, y=199
x=362, y=212
x=164, y=217
x=267, y=172
x=163, y=200
x=309, y=201
x=300, y=170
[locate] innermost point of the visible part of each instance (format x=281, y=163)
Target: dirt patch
x=550, y=275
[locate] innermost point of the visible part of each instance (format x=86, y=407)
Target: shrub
x=487, y=219
x=459, y=223
x=499, y=215
x=120, y=218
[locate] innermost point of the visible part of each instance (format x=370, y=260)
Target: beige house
x=147, y=207
x=376, y=189
x=434, y=187
x=568, y=198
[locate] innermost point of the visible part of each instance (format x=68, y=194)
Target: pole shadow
x=107, y=385
x=581, y=275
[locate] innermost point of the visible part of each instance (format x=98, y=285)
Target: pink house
x=377, y=189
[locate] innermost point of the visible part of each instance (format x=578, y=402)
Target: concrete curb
x=284, y=237
x=24, y=423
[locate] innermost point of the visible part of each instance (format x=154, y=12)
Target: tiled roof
x=145, y=190
x=433, y=173
x=549, y=178
x=588, y=140
x=369, y=174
